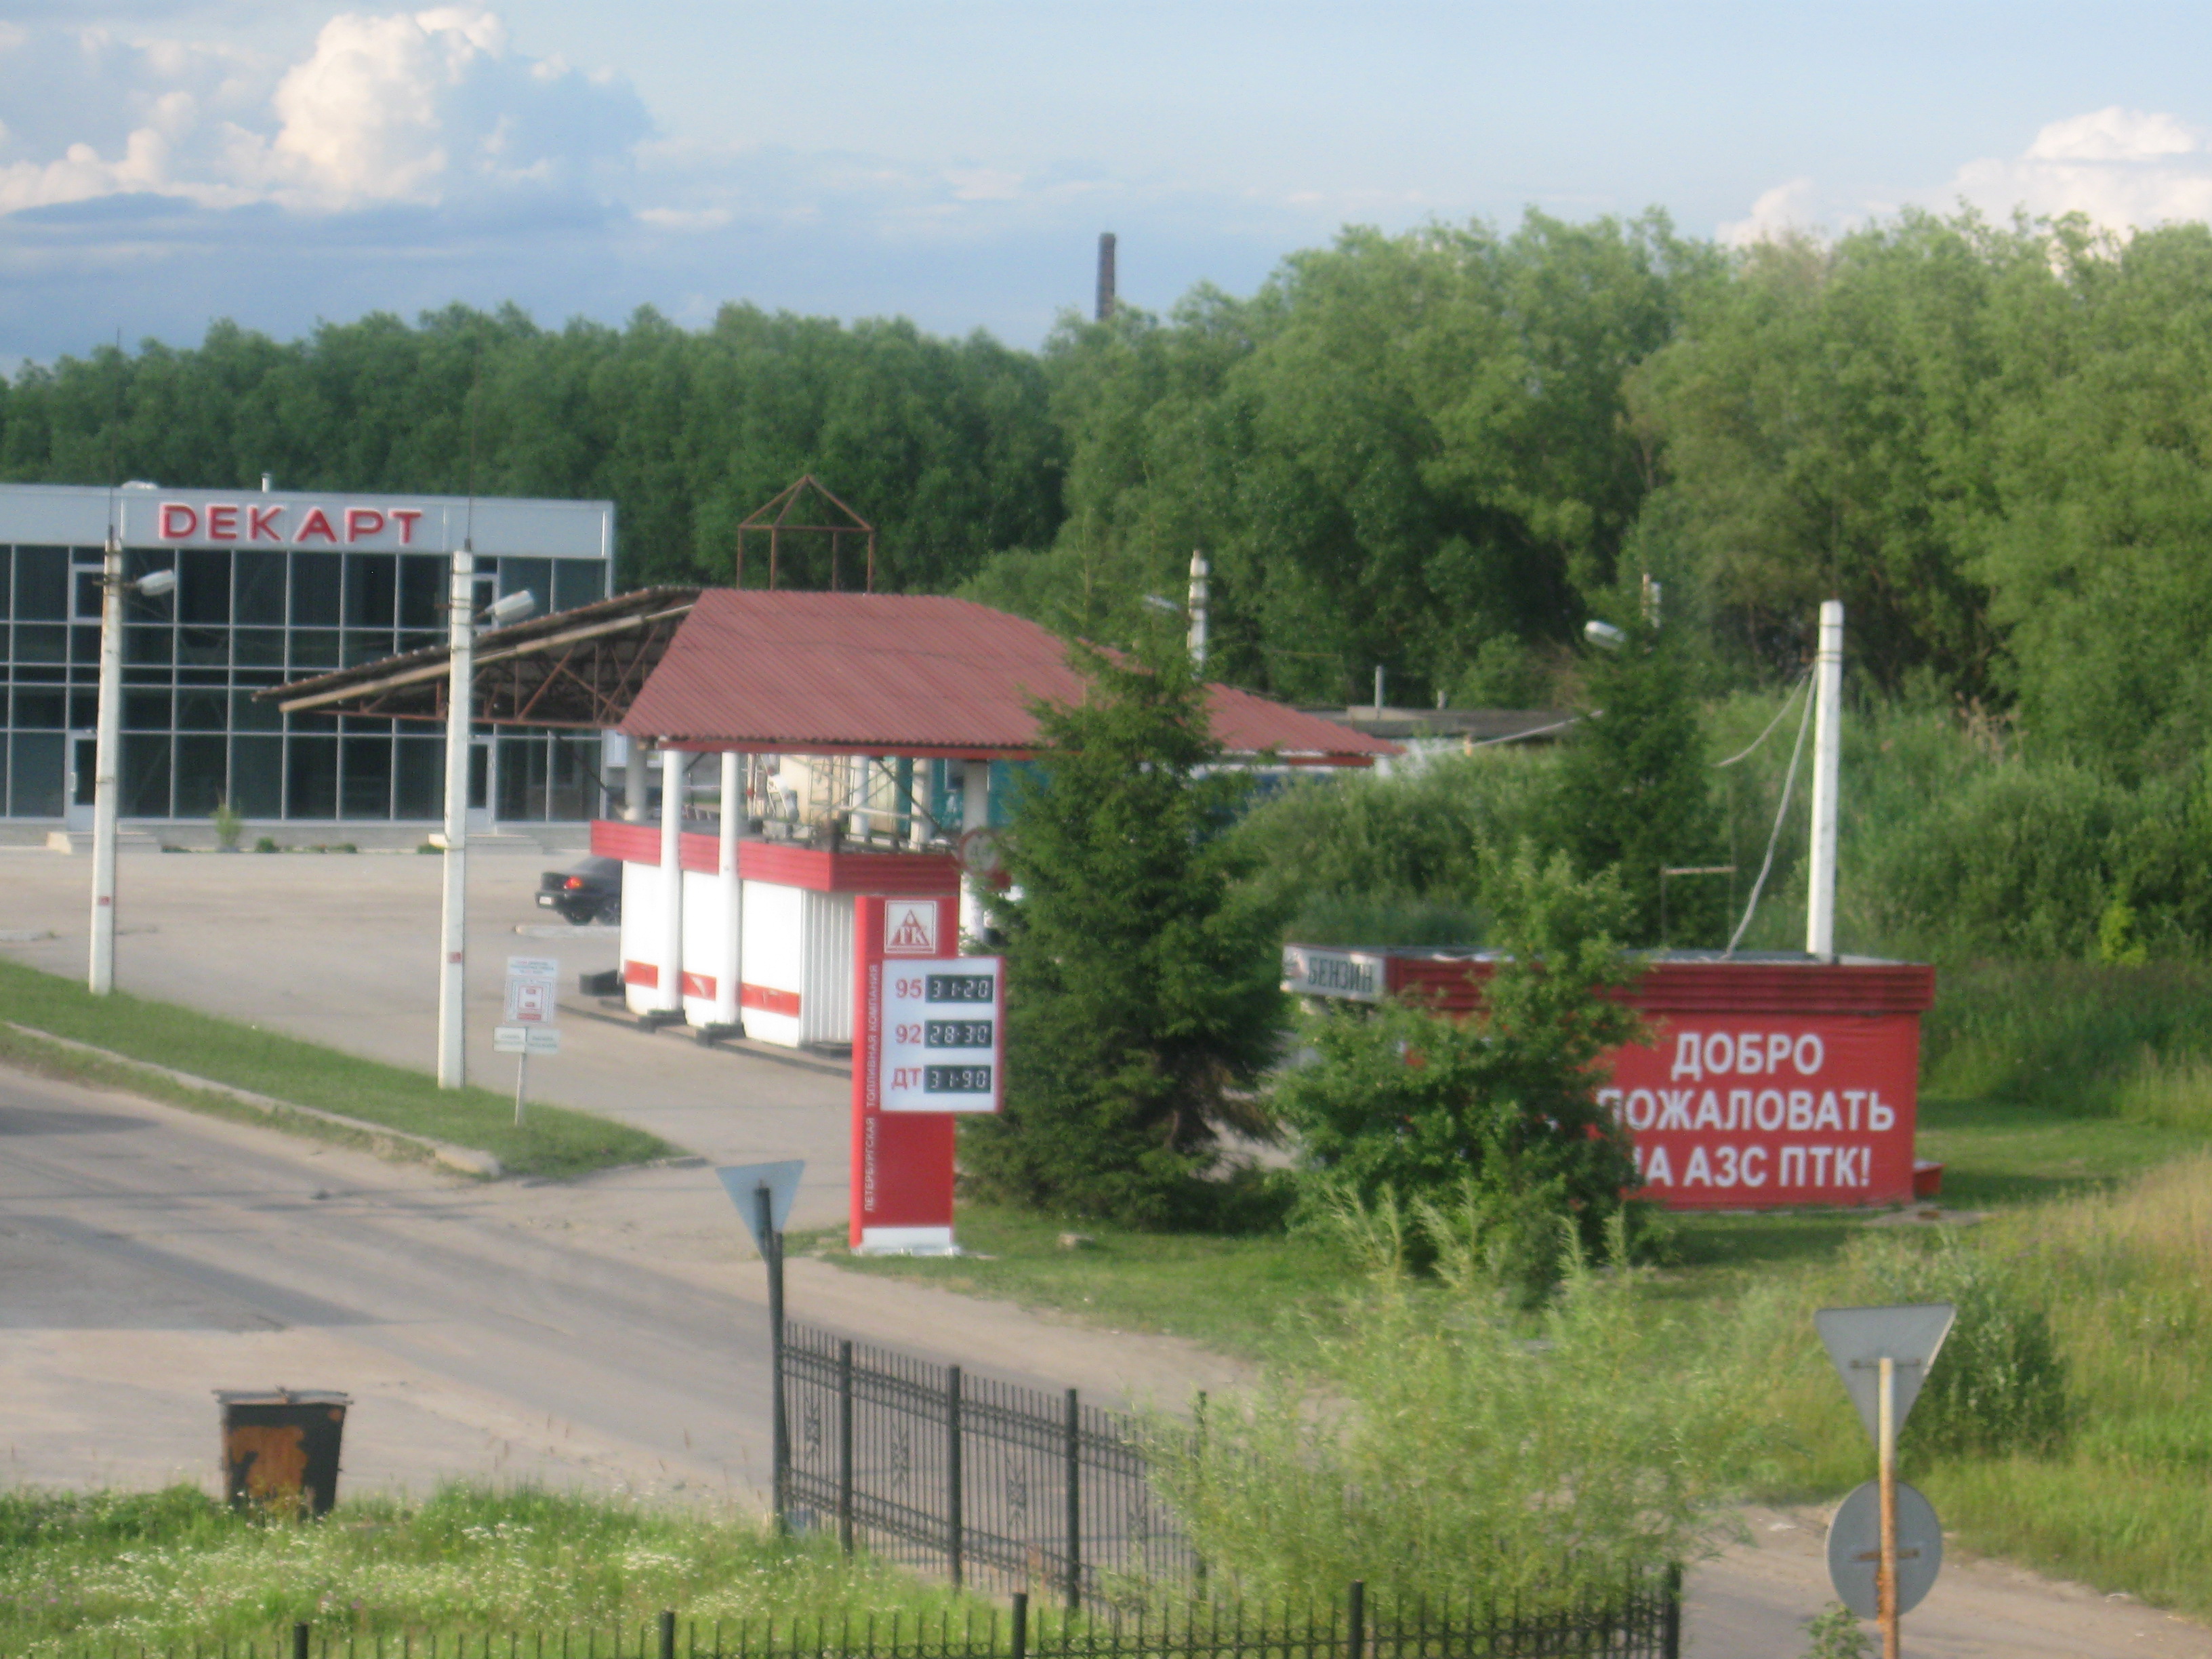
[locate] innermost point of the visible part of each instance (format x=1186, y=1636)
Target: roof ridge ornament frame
x=774, y=520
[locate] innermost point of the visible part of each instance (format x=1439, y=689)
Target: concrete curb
x=466, y=1159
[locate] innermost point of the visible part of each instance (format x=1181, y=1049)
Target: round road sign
x=1855, y=1549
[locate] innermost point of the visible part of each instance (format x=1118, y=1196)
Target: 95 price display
x=961, y=987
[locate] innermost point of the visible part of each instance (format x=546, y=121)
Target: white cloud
x=2124, y=168
x=1788, y=207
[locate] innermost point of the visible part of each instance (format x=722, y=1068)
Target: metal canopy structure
x=773, y=521
x=792, y=674
x=580, y=668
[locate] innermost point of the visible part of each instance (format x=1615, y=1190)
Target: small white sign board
x=1859, y=1339
x=533, y=990
x=744, y=1182
x=944, y=1024
x=1855, y=1549
x=526, y=1039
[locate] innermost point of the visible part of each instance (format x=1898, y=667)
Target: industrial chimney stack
x=1105, y=275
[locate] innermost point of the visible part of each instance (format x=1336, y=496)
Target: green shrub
x=1835, y=1632
x=1998, y=1387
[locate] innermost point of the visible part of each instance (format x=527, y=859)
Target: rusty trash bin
x=280, y=1448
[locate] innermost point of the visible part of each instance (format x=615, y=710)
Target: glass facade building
x=271, y=588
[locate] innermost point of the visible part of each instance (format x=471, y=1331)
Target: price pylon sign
x=907, y=1094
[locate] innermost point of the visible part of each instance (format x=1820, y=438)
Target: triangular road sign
x=1858, y=1338
x=743, y=1181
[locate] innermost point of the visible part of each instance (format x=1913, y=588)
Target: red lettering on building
x=362, y=521
x=317, y=523
x=405, y=517
x=178, y=521
x=261, y=524
x=223, y=523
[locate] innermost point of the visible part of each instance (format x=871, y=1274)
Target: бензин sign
x=1355, y=976
x=944, y=1035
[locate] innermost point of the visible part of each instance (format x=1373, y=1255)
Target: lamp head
x=512, y=609
x=1604, y=634
x=154, y=583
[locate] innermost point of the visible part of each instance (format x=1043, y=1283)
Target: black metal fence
x=1642, y=1621
x=1014, y=1488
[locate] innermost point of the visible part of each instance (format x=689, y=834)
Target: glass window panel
x=143, y=642
x=260, y=586
x=41, y=642
x=521, y=780
x=84, y=645
x=41, y=584
x=419, y=641
x=84, y=709
x=574, y=761
x=203, y=586
x=418, y=782
x=315, y=647
x=357, y=725
x=577, y=581
x=371, y=585
x=313, y=725
x=367, y=648
x=84, y=594
x=35, y=767
x=136, y=560
x=145, y=779
x=145, y=709
x=40, y=707
x=367, y=777
x=255, y=646
x=422, y=591
x=257, y=777
x=7, y=585
x=316, y=580
x=201, y=784
x=203, y=645
x=251, y=713
x=202, y=711
x=217, y=677
x=311, y=783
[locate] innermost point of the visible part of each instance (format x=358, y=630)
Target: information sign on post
x=944, y=1035
x=533, y=1014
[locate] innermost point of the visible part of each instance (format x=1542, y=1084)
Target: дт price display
x=944, y=1024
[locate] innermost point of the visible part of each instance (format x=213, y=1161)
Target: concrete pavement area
x=343, y=949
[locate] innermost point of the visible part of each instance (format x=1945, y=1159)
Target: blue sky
x=165, y=163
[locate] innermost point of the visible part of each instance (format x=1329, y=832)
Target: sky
x=166, y=163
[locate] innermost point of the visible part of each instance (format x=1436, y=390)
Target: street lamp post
x=107, y=744
x=452, y=955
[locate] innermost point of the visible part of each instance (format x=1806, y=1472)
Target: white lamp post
x=452, y=953
x=106, y=747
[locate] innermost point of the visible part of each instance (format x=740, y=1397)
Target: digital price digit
x=957, y=1079
x=962, y=987
x=952, y=1033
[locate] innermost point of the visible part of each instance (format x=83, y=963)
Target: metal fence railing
x=1641, y=1620
x=1016, y=1488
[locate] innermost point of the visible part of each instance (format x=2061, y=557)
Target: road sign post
x=1883, y=1356
x=763, y=1193
x=533, y=1005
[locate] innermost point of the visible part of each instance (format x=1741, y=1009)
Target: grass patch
x=81, y=1571
x=555, y=1141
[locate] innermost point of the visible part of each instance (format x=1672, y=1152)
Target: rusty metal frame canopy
x=773, y=521
x=580, y=668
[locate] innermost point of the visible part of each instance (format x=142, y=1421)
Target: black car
x=587, y=891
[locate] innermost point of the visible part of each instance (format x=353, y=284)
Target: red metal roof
x=905, y=674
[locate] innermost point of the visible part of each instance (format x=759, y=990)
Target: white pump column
x=672, y=881
x=730, y=961
x=975, y=814
x=1827, y=765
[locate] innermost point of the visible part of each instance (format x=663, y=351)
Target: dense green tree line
x=1439, y=452
x=946, y=445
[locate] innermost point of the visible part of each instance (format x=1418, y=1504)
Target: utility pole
x=1827, y=761
x=107, y=741
x=452, y=955
x=1200, y=592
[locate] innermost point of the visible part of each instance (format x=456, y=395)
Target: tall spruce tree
x=1635, y=794
x=1143, y=998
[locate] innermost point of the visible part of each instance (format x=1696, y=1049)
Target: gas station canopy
x=765, y=672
